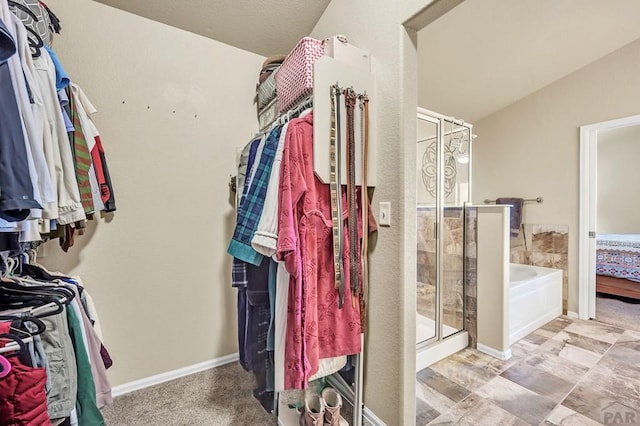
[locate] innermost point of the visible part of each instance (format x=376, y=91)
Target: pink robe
x=316, y=327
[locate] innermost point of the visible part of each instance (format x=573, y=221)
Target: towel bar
x=527, y=200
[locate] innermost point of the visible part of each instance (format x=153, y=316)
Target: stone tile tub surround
x=546, y=246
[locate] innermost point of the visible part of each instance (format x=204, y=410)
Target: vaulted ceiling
x=486, y=54
x=478, y=58
x=266, y=27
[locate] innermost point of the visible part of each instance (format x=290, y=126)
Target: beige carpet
x=617, y=312
x=220, y=396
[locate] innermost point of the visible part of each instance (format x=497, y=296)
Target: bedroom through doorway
x=617, y=267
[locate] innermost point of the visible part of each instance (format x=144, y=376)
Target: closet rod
x=40, y=310
x=291, y=113
x=12, y=346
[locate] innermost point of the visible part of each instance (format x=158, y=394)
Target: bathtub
x=535, y=298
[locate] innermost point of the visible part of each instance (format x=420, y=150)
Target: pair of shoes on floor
x=321, y=410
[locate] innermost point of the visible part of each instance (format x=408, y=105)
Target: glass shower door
x=455, y=193
x=427, y=178
x=443, y=188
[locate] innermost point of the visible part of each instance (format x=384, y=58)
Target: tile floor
x=568, y=372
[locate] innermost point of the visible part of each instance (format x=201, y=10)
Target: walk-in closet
x=235, y=274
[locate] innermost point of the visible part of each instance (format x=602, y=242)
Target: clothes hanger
x=38, y=272
x=5, y=266
x=17, y=345
x=5, y=366
x=14, y=264
x=16, y=311
x=37, y=322
x=55, y=21
x=25, y=285
x=9, y=265
x=33, y=256
x=35, y=41
x=24, y=8
x=36, y=44
x=23, y=300
x=39, y=301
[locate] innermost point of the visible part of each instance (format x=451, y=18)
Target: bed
x=618, y=264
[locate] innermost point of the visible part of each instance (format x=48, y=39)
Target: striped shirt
x=81, y=156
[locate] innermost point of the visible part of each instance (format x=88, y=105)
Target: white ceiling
x=266, y=27
x=486, y=54
x=478, y=58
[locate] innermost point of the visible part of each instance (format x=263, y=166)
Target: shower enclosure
x=443, y=153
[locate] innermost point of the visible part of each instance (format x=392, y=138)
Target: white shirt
x=57, y=146
x=33, y=119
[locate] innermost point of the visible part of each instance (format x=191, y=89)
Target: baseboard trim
x=572, y=314
x=171, y=375
x=371, y=417
x=503, y=355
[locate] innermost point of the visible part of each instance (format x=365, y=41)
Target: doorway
x=609, y=258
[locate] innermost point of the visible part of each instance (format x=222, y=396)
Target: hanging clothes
x=50, y=181
x=24, y=401
x=58, y=372
x=74, y=357
x=16, y=187
x=266, y=233
x=285, y=212
x=316, y=326
x=69, y=206
x=32, y=110
x=250, y=210
x=61, y=398
x=102, y=188
x=86, y=405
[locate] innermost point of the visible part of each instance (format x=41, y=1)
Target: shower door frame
x=439, y=120
x=427, y=115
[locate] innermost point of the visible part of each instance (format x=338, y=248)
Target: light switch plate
x=384, y=218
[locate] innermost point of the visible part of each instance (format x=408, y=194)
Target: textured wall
x=390, y=365
x=172, y=107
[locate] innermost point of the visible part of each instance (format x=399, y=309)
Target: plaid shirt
x=250, y=208
x=239, y=273
x=246, y=162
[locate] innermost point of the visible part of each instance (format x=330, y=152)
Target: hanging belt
x=352, y=203
x=364, y=209
x=335, y=189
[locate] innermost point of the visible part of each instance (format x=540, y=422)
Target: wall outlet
x=384, y=218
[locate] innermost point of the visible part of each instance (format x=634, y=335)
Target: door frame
x=589, y=209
